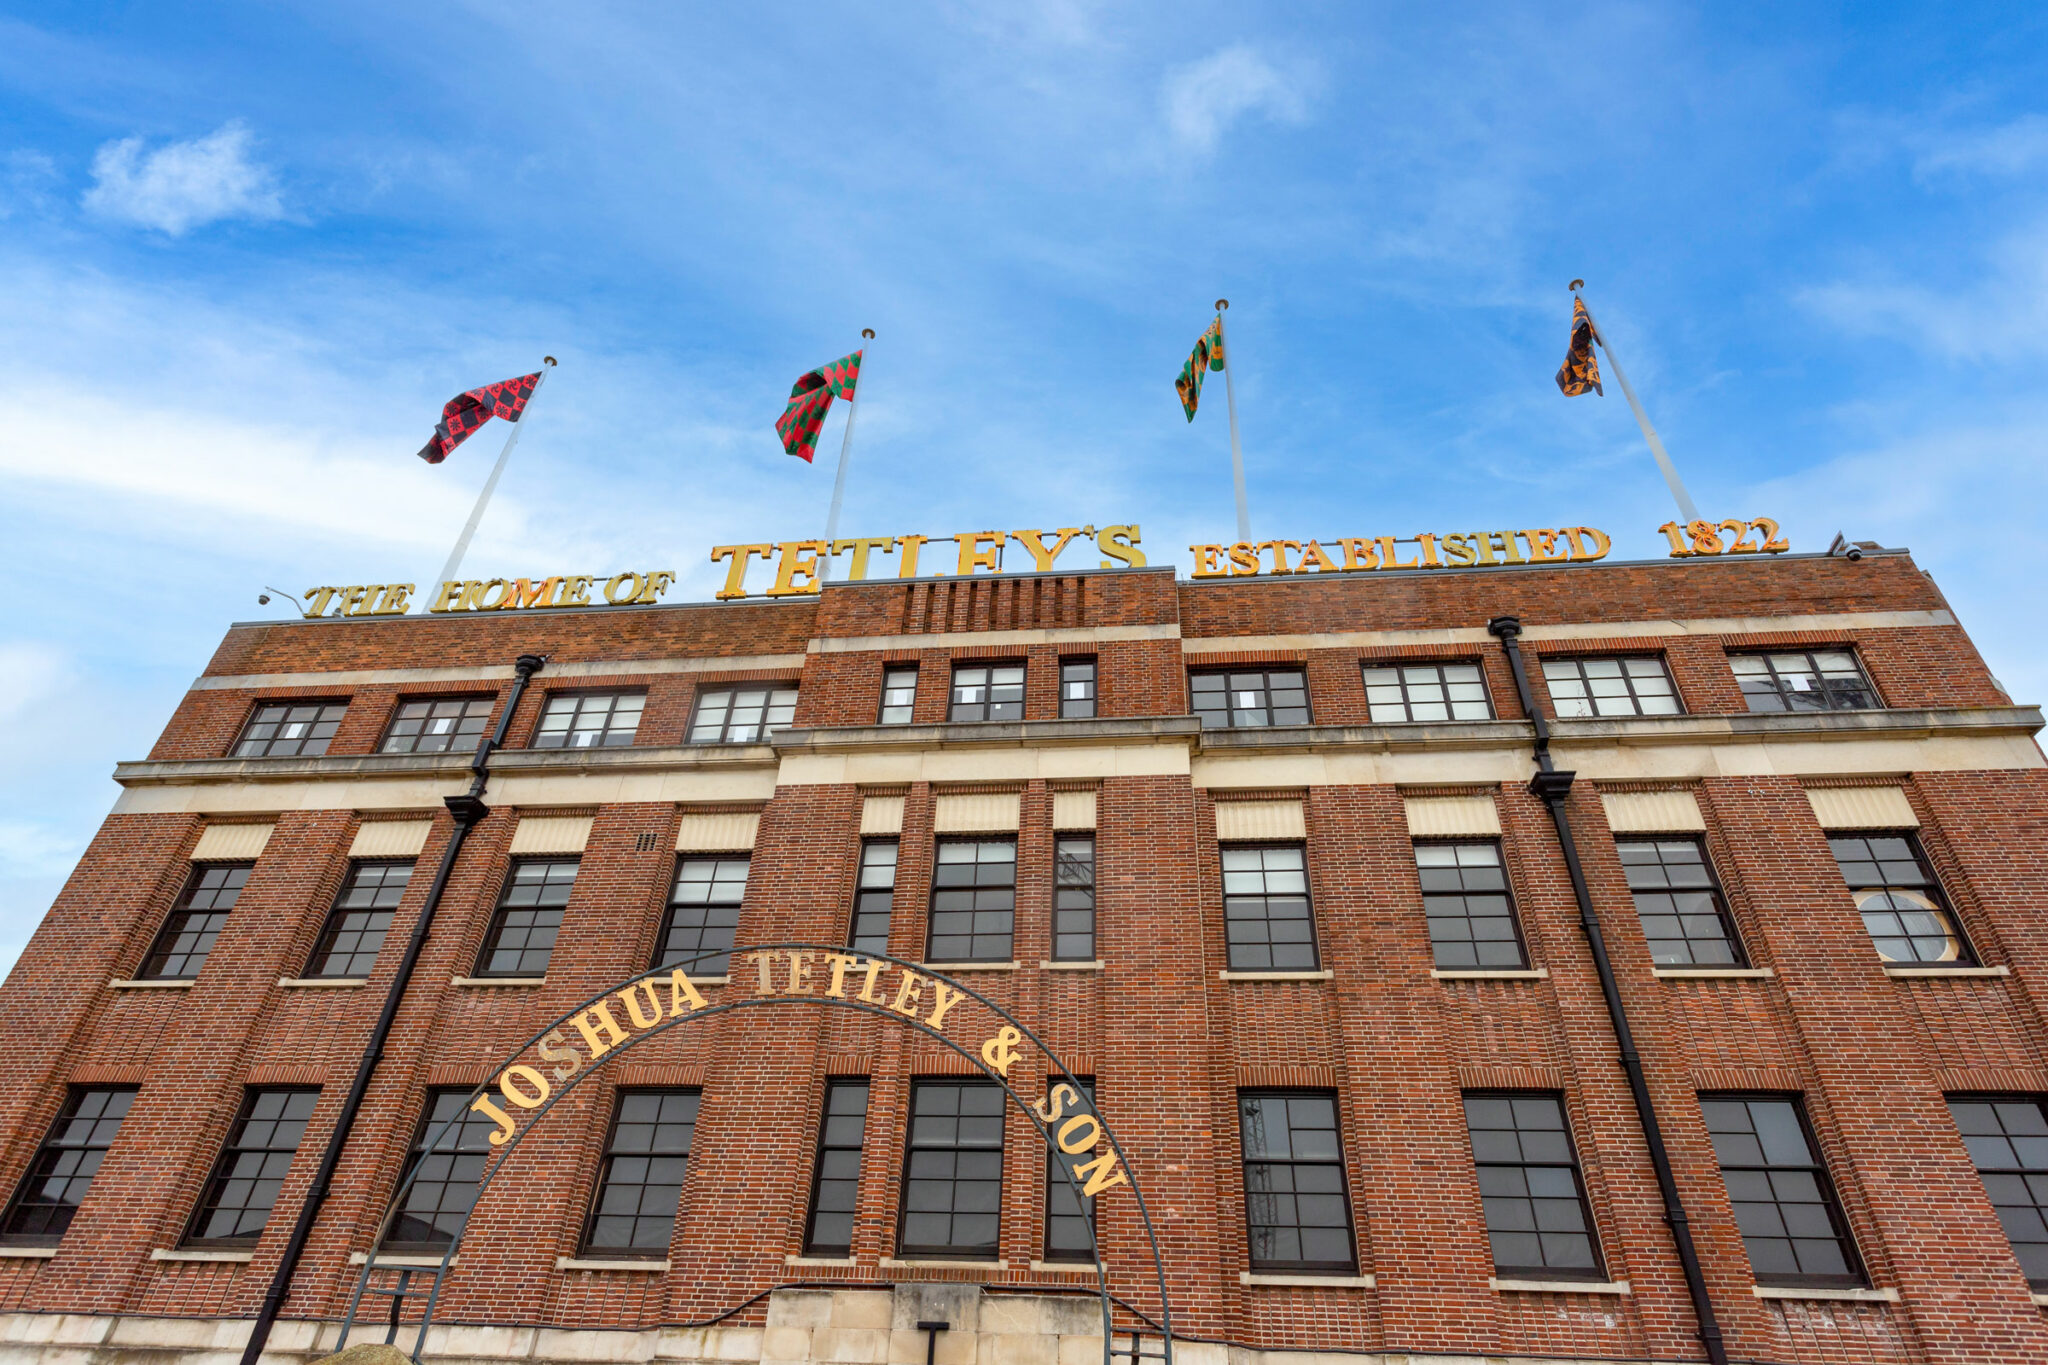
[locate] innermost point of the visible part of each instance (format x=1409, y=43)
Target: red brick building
x=1260, y=857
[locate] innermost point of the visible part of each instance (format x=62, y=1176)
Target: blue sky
x=249, y=251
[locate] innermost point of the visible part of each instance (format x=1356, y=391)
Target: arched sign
x=568, y=1051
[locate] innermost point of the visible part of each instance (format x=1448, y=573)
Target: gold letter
x=1121, y=543
x=1279, y=553
x=555, y=1048
x=504, y=598
x=657, y=584
x=352, y=599
x=1503, y=541
x=533, y=1078
x=575, y=591
x=767, y=982
x=907, y=547
x=321, y=597
x=1427, y=540
x=1543, y=546
x=394, y=602
x=1076, y=1147
x=973, y=557
x=1100, y=1173
x=482, y=1105
x=472, y=594
x=1389, y=559
x=860, y=548
x=1206, y=557
x=799, y=975
x=679, y=990
x=944, y=997
x=1358, y=554
x=867, y=991
x=1042, y=557
x=736, y=575
x=535, y=594
x=614, y=596
x=1244, y=559
x=1312, y=553
x=1052, y=1106
x=907, y=993
x=595, y=1024
x=840, y=962
x=445, y=599
x=799, y=560
x=1601, y=544
x=1459, y=550
x=631, y=995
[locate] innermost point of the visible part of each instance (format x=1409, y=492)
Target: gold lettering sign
x=1704, y=538
x=1424, y=550
x=799, y=565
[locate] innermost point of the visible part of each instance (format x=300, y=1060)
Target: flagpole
x=845, y=453
x=483, y=499
x=1244, y=516
x=1685, y=507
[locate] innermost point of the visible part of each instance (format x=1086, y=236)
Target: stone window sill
x=1308, y=1281
x=1063, y=1267
x=230, y=1257
x=817, y=1260
x=725, y=980
x=1560, y=1286
x=1071, y=965
x=1324, y=975
x=402, y=1262
x=891, y=1263
x=27, y=1253
x=1908, y=973
x=640, y=1267
x=2041, y=1300
x=970, y=966
x=1766, y=1291
x=497, y=981
x=1710, y=973
x=125, y=984
x=314, y=982
x=1480, y=974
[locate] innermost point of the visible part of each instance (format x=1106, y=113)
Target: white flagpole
x=1685, y=506
x=845, y=454
x=483, y=499
x=1244, y=516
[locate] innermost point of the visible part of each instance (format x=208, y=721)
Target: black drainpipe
x=468, y=809
x=1552, y=787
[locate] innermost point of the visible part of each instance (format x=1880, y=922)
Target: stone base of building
x=803, y=1327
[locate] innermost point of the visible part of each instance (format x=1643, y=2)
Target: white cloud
x=26, y=178
x=34, y=672
x=1203, y=99
x=2001, y=317
x=31, y=849
x=183, y=185
x=2008, y=149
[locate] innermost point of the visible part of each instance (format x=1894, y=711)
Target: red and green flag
x=466, y=412
x=1207, y=355
x=1581, y=369
x=811, y=399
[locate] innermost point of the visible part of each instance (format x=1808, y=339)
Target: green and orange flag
x=809, y=401
x=1207, y=355
x=1581, y=369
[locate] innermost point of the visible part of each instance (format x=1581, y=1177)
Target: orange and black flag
x=1581, y=368
x=1207, y=355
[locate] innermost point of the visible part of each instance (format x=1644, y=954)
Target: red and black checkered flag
x=804, y=418
x=468, y=411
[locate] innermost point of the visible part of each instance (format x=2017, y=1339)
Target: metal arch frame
x=663, y=973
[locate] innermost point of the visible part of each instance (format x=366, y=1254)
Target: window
x=1069, y=1214
x=434, y=725
x=835, y=1190
x=1901, y=902
x=1277, y=696
x=742, y=715
x=440, y=1199
x=974, y=901
x=589, y=720
x=195, y=921
x=1419, y=692
x=703, y=913
x=1805, y=680
x=1471, y=915
x=360, y=919
x=1073, y=904
x=953, y=1178
x=522, y=933
x=899, y=695
x=286, y=728
x=1784, y=1206
x=1679, y=903
x=1266, y=920
x=252, y=1167
x=2007, y=1136
x=1077, y=689
x=645, y=1159
x=1610, y=687
x=64, y=1167
x=987, y=692
x=1536, y=1214
x=1294, y=1202
x=873, y=896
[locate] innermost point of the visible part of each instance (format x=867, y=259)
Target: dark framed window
x=2007, y=1137
x=1397, y=693
x=953, y=1171
x=1638, y=685
x=440, y=1199
x=1077, y=689
x=1784, y=1205
x=1249, y=698
x=645, y=1159
x=1804, y=680
x=589, y=720
x=835, y=1188
x=434, y=725
x=1296, y=1208
x=1470, y=910
x=1909, y=919
x=195, y=921
x=1537, y=1217
x=987, y=692
x=1069, y=1214
x=252, y=1167
x=283, y=729
x=529, y=915
x=974, y=901
x=360, y=918
x=1684, y=916
x=64, y=1167
x=1073, y=898
x=1268, y=924
x=704, y=913
x=874, y=896
x=742, y=715
x=899, y=694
